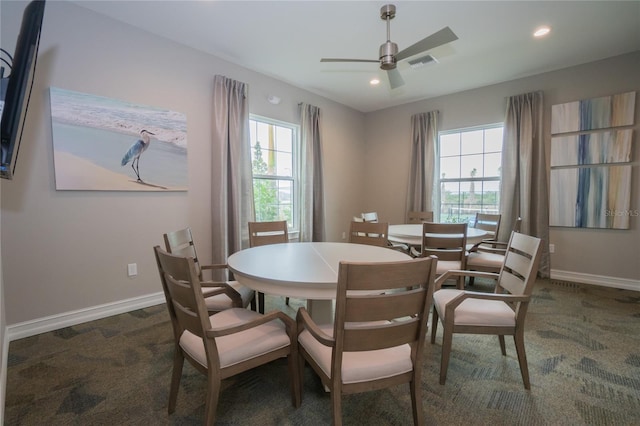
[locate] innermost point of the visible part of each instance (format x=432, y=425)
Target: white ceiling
x=286, y=39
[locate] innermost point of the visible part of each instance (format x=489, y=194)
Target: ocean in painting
x=99, y=131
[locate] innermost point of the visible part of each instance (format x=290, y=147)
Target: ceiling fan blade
x=395, y=79
x=436, y=39
x=348, y=60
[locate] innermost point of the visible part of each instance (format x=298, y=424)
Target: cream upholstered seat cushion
x=477, y=312
x=220, y=302
x=359, y=366
x=484, y=259
x=240, y=346
x=447, y=265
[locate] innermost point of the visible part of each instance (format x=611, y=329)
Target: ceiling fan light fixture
x=388, y=53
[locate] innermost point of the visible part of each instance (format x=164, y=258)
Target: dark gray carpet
x=583, y=347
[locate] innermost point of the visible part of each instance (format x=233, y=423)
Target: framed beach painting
x=107, y=144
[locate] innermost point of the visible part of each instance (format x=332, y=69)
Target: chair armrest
x=304, y=320
x=415, y=253
x=458, y=272
x=214, y=266
x=451, y=306
x=263, y=319
x=490, y=246
x=218, y=287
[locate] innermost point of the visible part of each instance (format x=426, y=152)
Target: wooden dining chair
x=263, y=233
x=489, y=223
x=501, y=313
x=419, y=216
x=371, y=233
x=446, y=241
x=372, y=217
x=219, y=295
x=224, y=344
x=489, y=255
x=377, y=337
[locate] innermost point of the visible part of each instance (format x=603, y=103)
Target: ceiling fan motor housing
x=388, y=53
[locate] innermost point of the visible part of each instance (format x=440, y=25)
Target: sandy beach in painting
x=73, y=170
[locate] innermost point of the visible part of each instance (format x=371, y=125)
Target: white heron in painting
x=136, y=151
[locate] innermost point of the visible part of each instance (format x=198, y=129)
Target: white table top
x=411, y=233
x=304, y=270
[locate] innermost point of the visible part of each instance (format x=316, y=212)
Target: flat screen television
x=16, y=86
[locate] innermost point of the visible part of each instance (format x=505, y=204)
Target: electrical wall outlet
x=344, y=235
x=552, y=248
x=132, y=269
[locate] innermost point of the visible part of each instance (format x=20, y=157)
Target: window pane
x=450, y=167
x=493, y=139
x=492, y=164
x=450, y=144
x=471, y=166
x=472, y=142
x=284, y=138
x=284, y=162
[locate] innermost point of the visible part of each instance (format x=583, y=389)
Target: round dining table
x=304, y=270
x=411, y=233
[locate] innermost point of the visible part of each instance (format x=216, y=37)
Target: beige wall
x=68, y=250
x=597, y=256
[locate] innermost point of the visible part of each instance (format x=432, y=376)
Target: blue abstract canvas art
x=591, y=148
x=591, y=114
x=591, y=197
x=107, y=144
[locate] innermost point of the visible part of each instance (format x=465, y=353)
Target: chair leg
x=178, y=362
x=471, y=280
x=336, y=407
x=503, y=348
x=286, y=301
x=446, y=353
x=434, y=324
x=416, y=399
x=294, y=372
x=211, y=403
x=254, y=303
x=261, y=302
x=522, y=358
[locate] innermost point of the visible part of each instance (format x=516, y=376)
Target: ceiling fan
x=389, y=55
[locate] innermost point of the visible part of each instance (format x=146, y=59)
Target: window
x=273, y=163
x=469, y=172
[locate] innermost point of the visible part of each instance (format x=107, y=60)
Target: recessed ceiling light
x=374, y=82
x=542, y=31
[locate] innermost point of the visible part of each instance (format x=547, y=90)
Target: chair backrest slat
x=180, y=243
x=419, y=216
x=264, y=233
x=447, y=241
x=367, y=319
x=371, y=233
x=183, y=293
x=520, y=266
x=488, y=222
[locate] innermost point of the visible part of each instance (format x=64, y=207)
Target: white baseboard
x=67, y=319
x=622, y=283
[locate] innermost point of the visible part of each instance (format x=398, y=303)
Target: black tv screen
x=16, y=86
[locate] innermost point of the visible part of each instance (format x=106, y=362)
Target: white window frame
x=438, y=179
x=293, y=228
